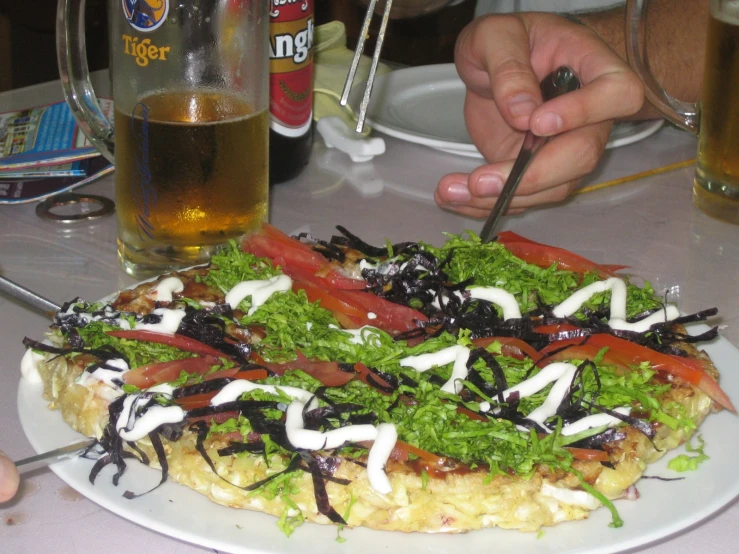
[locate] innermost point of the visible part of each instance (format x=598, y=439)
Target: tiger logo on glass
x=146, y=15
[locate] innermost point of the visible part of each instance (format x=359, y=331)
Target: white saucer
x=425, y=105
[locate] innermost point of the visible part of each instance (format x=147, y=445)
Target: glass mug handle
x=75, y=76
x=683, y=114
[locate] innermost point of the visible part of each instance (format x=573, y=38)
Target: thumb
x=9, y=479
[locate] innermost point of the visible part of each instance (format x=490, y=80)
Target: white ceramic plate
x=425, y=105
x=664, y=508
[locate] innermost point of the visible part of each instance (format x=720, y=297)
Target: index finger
x=610, y=90
x=493, y=58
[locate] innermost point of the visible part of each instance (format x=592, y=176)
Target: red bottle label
x=291, y=66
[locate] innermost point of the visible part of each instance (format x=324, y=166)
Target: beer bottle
x=291, y=88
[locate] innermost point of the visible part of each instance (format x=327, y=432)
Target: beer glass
x=189, y=138
x=716, y=118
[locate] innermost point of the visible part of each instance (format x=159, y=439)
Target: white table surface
x=649, y=225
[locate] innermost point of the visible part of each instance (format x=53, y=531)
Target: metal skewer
x=49, y=308
x=560, y=81
x=362, y=115
x=64, y=451
x=28, y=297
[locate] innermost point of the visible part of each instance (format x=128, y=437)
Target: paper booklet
x=44, y=141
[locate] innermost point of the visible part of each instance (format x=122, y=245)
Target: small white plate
x=425, y=105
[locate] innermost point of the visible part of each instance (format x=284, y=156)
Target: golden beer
x=191, y=173
x=716, y=189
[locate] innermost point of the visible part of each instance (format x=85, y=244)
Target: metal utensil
x=63, y=452
x=28, y=297
x=49, y=308
x=361, y=116
x=560, y=81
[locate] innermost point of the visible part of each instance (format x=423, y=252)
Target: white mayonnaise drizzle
x=108, y=315
x=153, y=418
x=534, y=384
x=29, y=366
x=555, y=396
x=105, y=374
x=618, y=306
x=457, y=354
x=163, y=290
x=168, y=325
x=162, y=388
x=499, y=297
x=364, y=264
x=445, y=298
x=235, y=389
x=259, y=289
x=308, y=439
x=387, y=436
x=365, y=335
x=593, y=421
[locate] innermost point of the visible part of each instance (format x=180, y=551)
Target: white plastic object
x=337, y=135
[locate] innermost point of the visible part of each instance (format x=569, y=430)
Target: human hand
x=9, y=479
x=502, y=59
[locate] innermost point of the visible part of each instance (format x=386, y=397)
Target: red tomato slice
x=149, y=375
x=555, y=328
x=328, y=373
x=363, y=373
x=470, y=414
x=222, y=417
x=334, y=301
x=512, y=347
x=402, y=450
x=582, y=352
x=237, y=373
x=178, y=341
x=221, y=374
x=391, y=317
x=203, y=400
x=322, y=281
x=196, y=400
x=351, y=308
x=588, y=454
x=295, y=257
x=544, y=256
x=626, y=353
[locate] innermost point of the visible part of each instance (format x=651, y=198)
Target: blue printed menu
x=44, y=141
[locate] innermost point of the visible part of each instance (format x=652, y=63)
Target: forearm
x=675, y=42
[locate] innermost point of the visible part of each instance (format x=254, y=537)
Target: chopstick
x=634, y=177
x=364, y=33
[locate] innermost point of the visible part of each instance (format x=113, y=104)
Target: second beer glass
x=716, y=119
x=190, y=89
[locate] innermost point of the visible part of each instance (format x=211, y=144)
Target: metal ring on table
x=44, y=209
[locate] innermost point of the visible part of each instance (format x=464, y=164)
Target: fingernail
x=521, y=105
x=457, y=193
x=489, y=185
x=547, y=124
